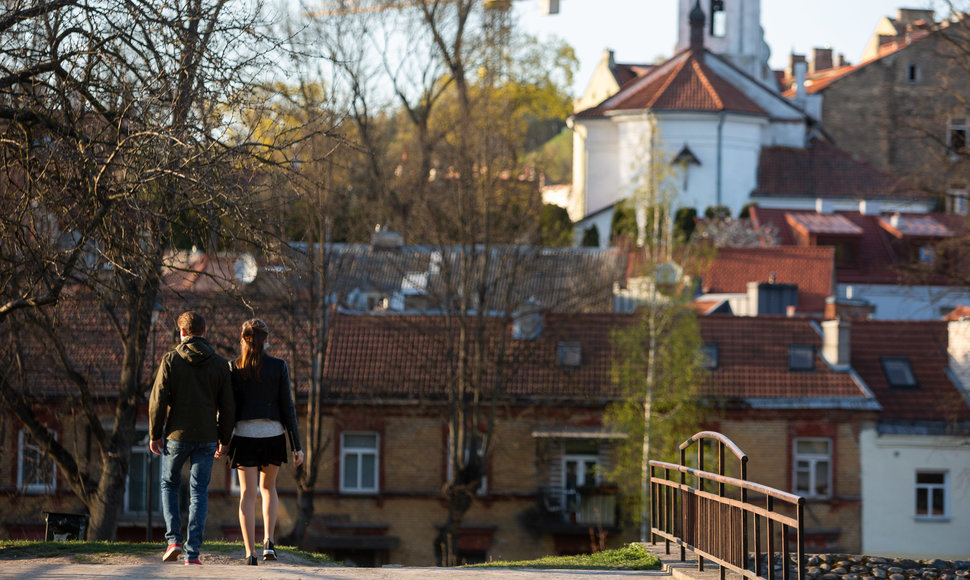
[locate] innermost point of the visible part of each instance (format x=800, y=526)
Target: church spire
x=697, y=20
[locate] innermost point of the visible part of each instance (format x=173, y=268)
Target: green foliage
x=745, y=212
x=554, y=158
x=673, y=409
x=555, y=227
x=591, y=237
x=684, y=223
x=631, y=556
x=717, y=212
x=623, y=224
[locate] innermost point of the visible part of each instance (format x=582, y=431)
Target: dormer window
x=569, y=354
x=709, y=355
x=898, y=371
x=801, y=357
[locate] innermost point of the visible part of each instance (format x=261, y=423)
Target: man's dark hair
x=192, y=322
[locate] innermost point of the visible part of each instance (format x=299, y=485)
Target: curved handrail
x=741, y=455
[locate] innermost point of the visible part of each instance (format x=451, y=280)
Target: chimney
x=868, y=207
x=958, y=346
x=896, y=220
x=821, y=59
x=800, y=68
x=835, y=342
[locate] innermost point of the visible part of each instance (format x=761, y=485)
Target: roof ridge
x=702, y=75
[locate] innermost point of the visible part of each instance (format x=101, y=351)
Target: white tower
x=732, y=31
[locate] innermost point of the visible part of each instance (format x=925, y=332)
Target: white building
x=915, y=462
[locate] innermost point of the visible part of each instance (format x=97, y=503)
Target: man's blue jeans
x=200, y=457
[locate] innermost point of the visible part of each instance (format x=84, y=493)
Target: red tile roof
x=924, y=344
x=959, y=313
x=402, y=356
x=624, y=73
x=412, y=356
x=821, y=80
x=684, y=83
x=823, y=170
x=878, y=259
x=811, y=269
x=753, y=361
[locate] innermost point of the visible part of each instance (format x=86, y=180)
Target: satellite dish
x=246, y=269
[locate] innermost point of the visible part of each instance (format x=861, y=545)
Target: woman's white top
x=258, y=428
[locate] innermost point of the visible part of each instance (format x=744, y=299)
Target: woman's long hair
x=252, y=338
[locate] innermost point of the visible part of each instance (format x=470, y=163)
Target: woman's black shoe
x=269, y=551
x=251, y=561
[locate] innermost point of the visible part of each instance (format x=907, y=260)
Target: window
x=926, y=254
x=931, y=494
x=957, y=199
x=142, y=461
x=569, y=354
x=483, y=488
x=957, y=135
x=358, y=462
x=35, y=472
x=580, y=465
x=801, y=357
x=718, y=18
x=898, y=371
x=709, y=355
x=813, y=467
x=912, y=74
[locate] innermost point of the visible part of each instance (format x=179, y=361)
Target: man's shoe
x=172, y=553
x=193, y=561
x=269, y=551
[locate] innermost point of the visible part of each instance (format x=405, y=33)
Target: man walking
x=190, y=418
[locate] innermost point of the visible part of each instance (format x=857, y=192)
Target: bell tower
x=733, y=31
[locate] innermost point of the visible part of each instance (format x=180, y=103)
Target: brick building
x=902, y=109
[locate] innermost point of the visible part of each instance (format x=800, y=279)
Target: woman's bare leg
x=248, y=481
x=267, y=489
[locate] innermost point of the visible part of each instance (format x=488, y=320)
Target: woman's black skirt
x=257, y=451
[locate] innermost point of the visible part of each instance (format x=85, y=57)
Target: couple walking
x=203, y=407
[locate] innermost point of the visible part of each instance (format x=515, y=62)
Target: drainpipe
x=720, y=143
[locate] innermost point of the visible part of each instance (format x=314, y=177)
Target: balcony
x=582, y=507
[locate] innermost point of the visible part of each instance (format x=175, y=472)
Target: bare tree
x=451, y=176
x=115, y=145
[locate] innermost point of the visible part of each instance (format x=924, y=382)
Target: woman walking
x=265, y=415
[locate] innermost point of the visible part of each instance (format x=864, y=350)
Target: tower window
x=718, y=18
x=912, y=74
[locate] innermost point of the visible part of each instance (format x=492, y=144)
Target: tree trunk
x=304, y=515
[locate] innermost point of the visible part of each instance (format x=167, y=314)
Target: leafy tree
x=656, y=360
x=556, y=228
x=591, y=237
x=717, y=212
x=685, y=223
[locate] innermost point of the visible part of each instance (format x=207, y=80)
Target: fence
x=715, y=516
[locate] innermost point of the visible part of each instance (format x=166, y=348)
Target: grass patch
x=629, y=557
x=94, y=551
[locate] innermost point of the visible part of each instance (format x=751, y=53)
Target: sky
x=640, y=31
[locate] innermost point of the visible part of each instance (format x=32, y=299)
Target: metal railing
x=715, y=516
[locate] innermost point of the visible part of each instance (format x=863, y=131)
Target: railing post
x=800, y=519
x=744, y=516
x=771, y=539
